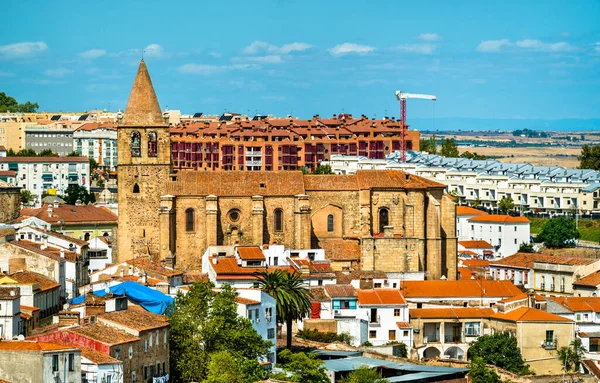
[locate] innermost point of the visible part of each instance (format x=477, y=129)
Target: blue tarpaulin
x=150, y=299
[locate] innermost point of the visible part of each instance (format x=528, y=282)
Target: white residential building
x=10, y=310
x=260, y=309
x=38, y=174
x=97, y=141
x=99, y=253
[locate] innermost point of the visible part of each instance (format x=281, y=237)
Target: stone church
x=373, y=220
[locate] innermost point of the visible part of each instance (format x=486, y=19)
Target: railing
x=375, y=321
x=253, y=154
x=550, y=345
x=253, y=163
x=542, y=287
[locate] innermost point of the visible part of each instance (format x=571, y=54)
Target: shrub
x=324, y=337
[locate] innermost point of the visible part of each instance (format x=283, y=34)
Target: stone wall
x=10, y=203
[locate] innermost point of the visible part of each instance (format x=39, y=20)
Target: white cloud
x=214, y=54
x=347, y=48
x=261, y=46
x=429, y=37
x=539, y=46
x=423, y=49
x=153, y=50
x=270, y=59
x=58, y=72
x=22, y=50
x=92, y=54
x=201, y=69
x=492, y=45
x=597, y=47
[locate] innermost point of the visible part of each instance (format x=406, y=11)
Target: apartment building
x=38, y=174
x=97, y=141
x=260, y=309
x=55, y=137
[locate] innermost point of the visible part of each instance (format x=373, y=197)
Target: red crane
x=402, y=97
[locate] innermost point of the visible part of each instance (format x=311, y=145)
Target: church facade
x=372, y=220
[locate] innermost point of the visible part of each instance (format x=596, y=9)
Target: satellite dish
x=20, y=337
x=12, y=293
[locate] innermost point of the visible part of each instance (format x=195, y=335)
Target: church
x=372, y=220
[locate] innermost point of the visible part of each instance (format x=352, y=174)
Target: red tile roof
x=386, y=297
x=340, y=291
x=580, y=304
x=227, y=268
x=403, y=325
x=455, y=289
x=248, y=253
x=523, y=296
x=76, y=241
x=345, y=277
x=467, y=210
x=29, y=277
x=475, y=244
x=44, y=159
x=246, y=301
x=526, y=314
x=452, y=312
x=104, y=334
x=592, y=280
x=72, y=214
x=498, y=219
x=147, y=264
x=526, y=260
x=136, y=319
x=29, y=345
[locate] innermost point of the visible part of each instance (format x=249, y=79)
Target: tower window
x=152, y=145
x=330, y=223
x=189, y=220
x=136, y=188
x=135, y=144
x=278, y=220
x=384, y=219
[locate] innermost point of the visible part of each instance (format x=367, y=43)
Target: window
x=71, y=362
x=377, y=285
x=384, y=219
x=189, y=219
x=130, y=352
x=515, y=241
x=278, y=220
x=157, y=337
x=136, y=189
x=372, y=334
x=271, y=333
x=344, y=304
x=550, y=339
x=54, y=363
x=500, y=229
x=405, y=333
x=135, y=144
x=133, y=377
x=145, y=372
x=396, y=312
x=515, y=228
x=164, y=368
x=150, y=340
x=165, y=336
x=392, y=335
x=330, y=223
x=152, y=145
x=145, y=345
x=472, y=328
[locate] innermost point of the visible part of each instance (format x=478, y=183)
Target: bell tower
x=144, y=151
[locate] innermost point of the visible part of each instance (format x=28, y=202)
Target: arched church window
x=278, y=220
x=189, y=219
x=384, y=218
x=152, y=145
x=136, y=188
x=330, y=223
x=135, y=144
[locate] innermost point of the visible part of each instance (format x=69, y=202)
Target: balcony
x=375, y=321
x=253, y=154
x=542, y=286
x=550, y=344
x=253, y=163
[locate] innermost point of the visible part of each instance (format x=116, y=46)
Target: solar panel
x=258, y=117
x=56, y=117
x=83, y=117
x=197, y=115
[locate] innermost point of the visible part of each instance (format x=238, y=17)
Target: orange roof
x=476, y=244
x=227, y=268
x=526, y=314
x=250, y=253
x=403, y=325
x=523, y=296
x=579, y=304
x=452, y=312
x=340, y=291
x=136, y=319
x=104, y=334
x=468, y=252
x=29, y=345
x=467, y=210
x=72, y=214
x=147, y=264
x=592, y=279
x=526, y=260
x=498, y=219
x=29, y=308
x=29, y=277
x=456, y=289
x=380, y=297
x=246, y=301
x=474, y=262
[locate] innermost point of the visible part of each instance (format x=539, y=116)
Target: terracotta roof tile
x=104, y=334
x=403, y=325
x=527, y=260
x=345, y=277
x=97, y=357
x=147, y=264
x=72, y=214
x=340, y=291
x=475, y=244
x=318, y=294
x=29, y=345
x=580, y=304
x=452, y=312
x=248, y=253
x=29, y=308
x=386, y=297
x=592, y=280
x=136, y=319
x=29, y=277
x=331, y=182
x=227, y=268
x=523, y=296
x=526, y=314
x=44, y=159
x=76, y=241
x=377, y=179
x=467, y=210
x=246, y=301
x=470, y=288
x=90, y=126
x=499, y=219
x=342, y=250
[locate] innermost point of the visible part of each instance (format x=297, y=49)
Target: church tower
x=144, y=150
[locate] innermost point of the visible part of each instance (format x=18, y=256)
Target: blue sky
x=482, y=59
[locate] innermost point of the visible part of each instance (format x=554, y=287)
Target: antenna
x=143, y=51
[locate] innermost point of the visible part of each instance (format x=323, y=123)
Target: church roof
x=142, y=107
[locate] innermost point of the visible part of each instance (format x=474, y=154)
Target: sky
x=482, y=59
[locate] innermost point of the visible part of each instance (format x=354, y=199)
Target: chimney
x=49, y=210
x=530, y=298
x=122, y=273
x=78, y=202
x=215, y=261
x=56, y=204
x=130, y=270
x=62, y=253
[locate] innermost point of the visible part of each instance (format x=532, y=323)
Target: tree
x=76, y=192
x=8, y=103
x=302, y=368
x=449, y=148
x=506, y=204
x=500, y=350
x=323, y=169
x=26, y=153
x=571, y=356
x=363, y=374
x=590, y=157
x=47, y=153
x=93, y=165
x=26, y=197
x=472, y=156
x=477, y=202
x=292, y=298
x=481, y=373
x=428, y=145
x=74, y=154
x=204, y=322
x=558, y=232
x=526, y=248
x=223, y=368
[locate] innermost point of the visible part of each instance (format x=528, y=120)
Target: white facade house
x=10, y=310
x=38, y=174
x=260, y=309
x=98, y=367
x=98, y=142
x=99, y=253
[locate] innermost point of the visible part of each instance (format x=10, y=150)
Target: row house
x=261, y=310
x=97, y=141
x=10, y=312
x=37, y=292
x=477, y=248
x=546, y=274
x=271, y=144
x=588, y=286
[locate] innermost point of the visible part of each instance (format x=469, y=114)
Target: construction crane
x=403, y=97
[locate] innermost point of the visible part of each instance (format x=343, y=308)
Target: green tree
x=428, y=145
x=506, y=204
x=204, y=322
x=74, y=154
x=571, y=356
x=500, y=350
x=526, y=248
x=26, y=197
x=302, y=368
x=76, y=192
x=481, y=373
x=558, y=232
x=93, y=165
x=100, y=182
x=26, y=153
x=363, y=374
x=323, y=169
x=223, y=368
x=472, y=156
x=8, y=103
x=449, y=148
x=590, y=157
x=292, y=297
x=477, y=202
x=47, y=153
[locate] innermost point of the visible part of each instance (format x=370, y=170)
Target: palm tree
x=292, y=298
